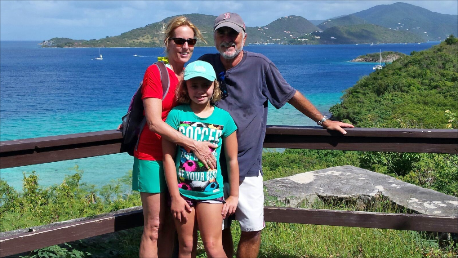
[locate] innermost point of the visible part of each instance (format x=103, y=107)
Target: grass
x=293, y=240
x=279, y=240
x=283, y=240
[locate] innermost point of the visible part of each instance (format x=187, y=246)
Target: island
x=387, y=57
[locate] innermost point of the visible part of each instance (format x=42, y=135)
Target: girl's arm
x=231, y=148
x=179, y=205
x=153, y=113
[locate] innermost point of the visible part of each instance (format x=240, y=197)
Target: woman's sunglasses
x=181, y=41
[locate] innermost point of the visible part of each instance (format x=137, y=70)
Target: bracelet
x=322, y=120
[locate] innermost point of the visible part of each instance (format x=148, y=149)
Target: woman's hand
x=204, y=152
x=179, y=209
x=230, y=206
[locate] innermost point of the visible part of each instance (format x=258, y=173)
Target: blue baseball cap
x=199, y=69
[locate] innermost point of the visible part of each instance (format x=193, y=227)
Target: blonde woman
x=148, y=176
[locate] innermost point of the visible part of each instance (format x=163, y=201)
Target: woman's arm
x=153, y=113
x=231, y=149
x=179, y=206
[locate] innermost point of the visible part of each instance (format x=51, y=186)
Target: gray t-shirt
x=250, y=85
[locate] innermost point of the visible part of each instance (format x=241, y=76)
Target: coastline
x=74, y=94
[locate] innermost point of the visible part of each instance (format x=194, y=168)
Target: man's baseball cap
x=199, y=69
x=231, y=20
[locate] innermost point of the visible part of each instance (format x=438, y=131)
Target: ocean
x=58, y=91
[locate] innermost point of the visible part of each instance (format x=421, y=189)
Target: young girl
x=197, y=192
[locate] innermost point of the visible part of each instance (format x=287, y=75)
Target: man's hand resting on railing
x=336, y=126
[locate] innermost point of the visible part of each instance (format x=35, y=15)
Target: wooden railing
x=65, y=147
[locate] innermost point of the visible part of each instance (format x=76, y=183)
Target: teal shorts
x=148, y=176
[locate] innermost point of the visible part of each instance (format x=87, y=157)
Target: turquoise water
x=47, y=92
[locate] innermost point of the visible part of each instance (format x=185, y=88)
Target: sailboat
x=100, y=56
x=379, y=66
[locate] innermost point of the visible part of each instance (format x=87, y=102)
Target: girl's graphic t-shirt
x=195, y=181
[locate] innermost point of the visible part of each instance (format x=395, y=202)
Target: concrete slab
x=354, y=182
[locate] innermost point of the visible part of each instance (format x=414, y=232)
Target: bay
x=57, y=91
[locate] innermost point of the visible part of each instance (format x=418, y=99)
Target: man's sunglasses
x=181, y=41
x=227, y=31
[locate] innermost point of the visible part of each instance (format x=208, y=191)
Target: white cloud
x=40, y=19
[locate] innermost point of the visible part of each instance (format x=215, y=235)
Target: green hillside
x=292, y=29
x=401, y=22
x=278, y=31
x=149, y=36
x=407, y=17
x=281, y=30
x=342, y=21
x=283, y=27
x=416, y=91
x=365, y=33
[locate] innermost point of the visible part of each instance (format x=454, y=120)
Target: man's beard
x=233, y=55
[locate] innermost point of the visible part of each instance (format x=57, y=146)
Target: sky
x=41, y=20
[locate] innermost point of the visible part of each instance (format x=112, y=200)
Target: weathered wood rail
x=65, y=147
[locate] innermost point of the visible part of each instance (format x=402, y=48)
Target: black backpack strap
x=165, y=89
x=164, y=78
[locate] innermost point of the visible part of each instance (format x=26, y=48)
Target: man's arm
x=301, y=103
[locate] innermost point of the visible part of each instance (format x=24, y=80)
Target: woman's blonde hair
x=182, y=94
x=179, y=21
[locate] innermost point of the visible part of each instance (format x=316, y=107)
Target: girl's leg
x=186, y=232
x=154, y=230
x=210, y=222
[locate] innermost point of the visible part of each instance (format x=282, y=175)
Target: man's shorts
x=148, y=176
x=250, y=209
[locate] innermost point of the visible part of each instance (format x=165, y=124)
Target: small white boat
x=100, y=56
x=379, y=66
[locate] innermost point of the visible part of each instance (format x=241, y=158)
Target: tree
x=451, y=40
